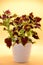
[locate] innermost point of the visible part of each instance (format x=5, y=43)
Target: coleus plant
x=22, y=30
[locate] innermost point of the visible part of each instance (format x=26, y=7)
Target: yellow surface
x=22, y=7
x=36, y=57
x=8, y=60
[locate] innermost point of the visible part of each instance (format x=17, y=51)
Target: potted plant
x=21, y=31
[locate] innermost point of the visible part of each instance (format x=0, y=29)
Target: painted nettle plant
x=20, y=28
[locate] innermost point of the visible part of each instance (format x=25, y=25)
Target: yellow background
x=22, y=7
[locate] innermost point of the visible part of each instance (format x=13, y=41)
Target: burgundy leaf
x=26, y=27
x=11, y=23
x=18, y=18
x=14, y=29
x=15, y=33
x=4, y=29
x=4, y=16
x=37, y=19
x=24, y=40
x=15, y=21
x=25, y=18
x=17, y=41
x=31, y=26
x=7, y=12
x=31, y=16
x=0, y=17
x=8, y=42
x=19, y=27
x=35, y=36
x=11, y=16
x=37, y=25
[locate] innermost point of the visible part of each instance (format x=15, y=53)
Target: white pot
x=21, y=53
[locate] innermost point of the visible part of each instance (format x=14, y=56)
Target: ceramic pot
x=21, y=53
